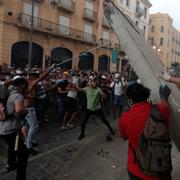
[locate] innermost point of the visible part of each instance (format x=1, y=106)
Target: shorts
x=118, y=100
x=70, y=105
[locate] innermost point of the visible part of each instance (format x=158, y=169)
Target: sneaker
x=33, y=151
x=70, y=125
x=82, y=136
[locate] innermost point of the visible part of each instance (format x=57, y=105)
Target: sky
x=172, y=7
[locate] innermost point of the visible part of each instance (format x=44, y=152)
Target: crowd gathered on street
x=25, y=97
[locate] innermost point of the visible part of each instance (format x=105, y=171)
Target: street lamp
x=154, y=47
x=30, y=35
x=157, y=51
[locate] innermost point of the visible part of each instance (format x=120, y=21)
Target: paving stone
x=56, y=149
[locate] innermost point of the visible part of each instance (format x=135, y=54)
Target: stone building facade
x=164, y=38
x=71, y=33
x=138, y=11
x=60, y=33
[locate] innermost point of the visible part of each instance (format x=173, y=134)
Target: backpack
x=153, y=154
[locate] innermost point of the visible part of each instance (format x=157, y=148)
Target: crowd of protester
x=25, y=97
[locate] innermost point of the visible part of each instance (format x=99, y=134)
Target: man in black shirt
x=61, y=94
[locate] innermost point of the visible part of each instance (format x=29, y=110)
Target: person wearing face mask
x=118, y=86
x=94, y=95
x=12, y=128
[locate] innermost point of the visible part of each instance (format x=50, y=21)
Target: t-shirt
x=62, y=84
x=40, y=91
x=118, y=88
x=131, y=125
x=1, y=83
x=93, y=98
x=72, y=94
x=11, y=124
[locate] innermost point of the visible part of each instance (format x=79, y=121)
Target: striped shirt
x=40, y=91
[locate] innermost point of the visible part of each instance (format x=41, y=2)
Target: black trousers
x=41, y=106
x=133, y=177
x=86, y=115
x=17, y=159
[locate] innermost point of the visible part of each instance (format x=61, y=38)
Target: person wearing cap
x=94, y=95
x=13, y=127
x=118, y=87
x=31, y=117
x=42, y=100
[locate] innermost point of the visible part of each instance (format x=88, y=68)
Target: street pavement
x=98, y=160
x=63, y=157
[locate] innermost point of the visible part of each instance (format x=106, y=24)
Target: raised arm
x=175, y=79
x=44, y=75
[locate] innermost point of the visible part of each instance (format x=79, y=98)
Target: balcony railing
x=68, y=5
x=89, y=14
x=105, y=22
x=49, y=27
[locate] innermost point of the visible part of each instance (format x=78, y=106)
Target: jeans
x=41, y=106
x=98, y=113
x=60, y=108
x=33, y=126
x=118, y=100
x=21, y=155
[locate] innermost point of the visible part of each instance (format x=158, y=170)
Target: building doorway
x=20, y=53
x=103, y=63
x=60, y=55
x=86, y=61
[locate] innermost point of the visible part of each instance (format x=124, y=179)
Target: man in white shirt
x=118, y=86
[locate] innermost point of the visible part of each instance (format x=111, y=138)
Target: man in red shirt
x=132, y=123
